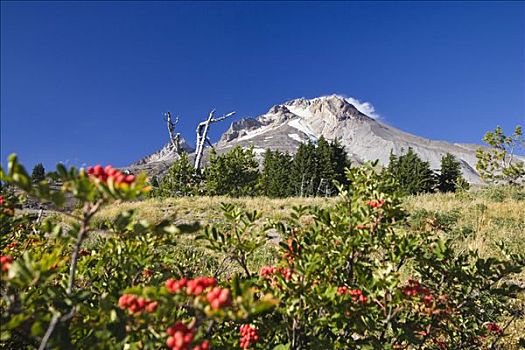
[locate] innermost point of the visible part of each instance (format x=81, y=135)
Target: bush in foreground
x=351, y=276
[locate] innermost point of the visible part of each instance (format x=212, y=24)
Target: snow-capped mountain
x=286, y=125
x=365, y=138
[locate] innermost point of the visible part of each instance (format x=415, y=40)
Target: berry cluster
x=181, y=337
x=199, y=284
x=376, y=203
x=219, y=298
x=270, y=271
x=494, y=328
x=193, y=287
x=249, y=336
x=414, y=288
x=109, y=173
x=1, y=200
x=5, y=261
x=267, y=271
x=137, y=304
x=205, y=345
x=356, y=294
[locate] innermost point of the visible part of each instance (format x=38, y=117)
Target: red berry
x=120, y=178
x=141, y=302
x=169, y=284
x=5, y=261
x=215, y=304
x=170, y=342
x=98, y=170
x=188, y=337
x=134, y=308
x=123, y=301
x=151, y=307
x=224, y=296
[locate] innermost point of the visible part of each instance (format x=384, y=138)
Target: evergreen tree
x=341, y=162
x=275, y=176
x=412, y=173
x=234, y=173
x=325, y=168
x=180, y=180
x=39, y=173
x=315, y=168
x=304, y=175
x=450, y=173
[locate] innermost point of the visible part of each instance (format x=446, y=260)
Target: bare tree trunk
x=174, y=137
x=202, y=136
x=319, y=188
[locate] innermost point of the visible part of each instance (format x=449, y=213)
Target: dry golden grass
x=491, y=221
x=206, y=209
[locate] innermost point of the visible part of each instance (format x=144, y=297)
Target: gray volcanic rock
x=165, y=154
x=158, y=162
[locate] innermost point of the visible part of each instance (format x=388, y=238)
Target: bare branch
x=49, y=331
x=202, y=135
x=223, y=117
x=88, y=212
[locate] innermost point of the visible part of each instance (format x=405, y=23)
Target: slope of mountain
x=287, y=125
x=158, y=162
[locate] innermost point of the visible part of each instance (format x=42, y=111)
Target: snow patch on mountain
x=254, y=133
x=301, y=125
x=295, y=137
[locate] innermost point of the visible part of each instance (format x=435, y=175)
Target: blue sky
x=87, y=82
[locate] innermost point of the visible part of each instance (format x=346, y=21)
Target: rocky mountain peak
x=333, y=107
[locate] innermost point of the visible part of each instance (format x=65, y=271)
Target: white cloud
x=363, y=107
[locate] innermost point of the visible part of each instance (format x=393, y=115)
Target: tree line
x=314, y=170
